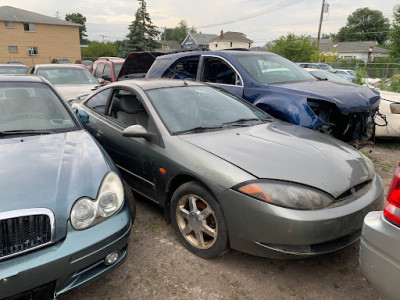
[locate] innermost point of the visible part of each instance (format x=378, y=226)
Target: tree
x=394, y=34
x=365, y=24
x=78, y=19
x=292, y=47
x=97, y=49
x=142, y=33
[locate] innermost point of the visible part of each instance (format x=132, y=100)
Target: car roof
x=156, y=83
x=13, y=65
x=219, y=52
x=21, y=78
x=58, y=66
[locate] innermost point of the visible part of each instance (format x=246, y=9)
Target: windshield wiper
x=198, y=129
x=24, y=132
x=241, y=122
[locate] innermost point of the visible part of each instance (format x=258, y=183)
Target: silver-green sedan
x=227, y=174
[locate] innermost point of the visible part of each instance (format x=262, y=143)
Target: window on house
x=231, y=44
x=33, y=50
x=13, y=49
x=29, y=27
x=249, y=45
x=9, y=24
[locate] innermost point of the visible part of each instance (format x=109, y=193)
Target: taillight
x=391, y=209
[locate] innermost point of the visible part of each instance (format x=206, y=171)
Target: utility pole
x=165, y=39
x=57, y=15
x=103, y=37
x=320, y=23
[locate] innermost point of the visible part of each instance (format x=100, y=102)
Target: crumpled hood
x=72, y=90
x=348, y=98
x=50, y=171
x=283, y=151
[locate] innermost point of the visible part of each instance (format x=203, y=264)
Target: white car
x=69, y=79
x=388, y=125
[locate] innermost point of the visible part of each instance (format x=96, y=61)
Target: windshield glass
x=327, y=68
x=13, y=69
x=117, y=68
x=266, y=68
x=67, y=75
x=32, y=106
x=325, y=75
x=186, y=108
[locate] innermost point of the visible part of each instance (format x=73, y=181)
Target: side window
x=185, y=68
x=107, y=72
x=99, y=70
x=98, y=102
x=217, y=71
x=127, y=109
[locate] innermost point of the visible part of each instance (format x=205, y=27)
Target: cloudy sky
x=260, y=20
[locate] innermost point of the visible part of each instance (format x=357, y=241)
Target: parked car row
x=227, y=174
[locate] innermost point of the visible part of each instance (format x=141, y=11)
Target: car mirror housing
x=83, y=116
x=101, y=81
x=135, y=131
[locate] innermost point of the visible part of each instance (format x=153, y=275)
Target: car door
x=135, y=157
x=219, y=72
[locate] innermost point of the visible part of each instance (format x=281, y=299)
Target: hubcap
x=196, y=221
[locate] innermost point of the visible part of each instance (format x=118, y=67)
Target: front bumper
x=380, y=254
x=262, y=229
x=68, y=263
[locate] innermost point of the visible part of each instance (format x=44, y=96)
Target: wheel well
x=173, y=184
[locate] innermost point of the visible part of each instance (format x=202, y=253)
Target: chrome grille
x=22, y=231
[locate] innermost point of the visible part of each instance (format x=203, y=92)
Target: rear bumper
x=380, y=254
x=71, y=262
x=262, y=229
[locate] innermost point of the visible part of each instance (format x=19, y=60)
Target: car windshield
x=13, y=69
x=351, y=72
x=327, y=68
x=67, y=75
x=117, y=68
x=266, y=68
x=32, y=107
x=198, y=108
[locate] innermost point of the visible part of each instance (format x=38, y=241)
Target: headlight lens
x=87, y=212
x=286, y=194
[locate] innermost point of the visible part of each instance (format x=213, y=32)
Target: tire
x=198, y=220
x=130, y=198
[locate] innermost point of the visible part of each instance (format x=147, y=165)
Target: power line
x=280, y=5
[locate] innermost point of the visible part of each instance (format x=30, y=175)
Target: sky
x=261, y=20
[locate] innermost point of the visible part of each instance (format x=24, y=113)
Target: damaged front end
x=356, y=128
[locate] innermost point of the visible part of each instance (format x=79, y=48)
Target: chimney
x=222, y=34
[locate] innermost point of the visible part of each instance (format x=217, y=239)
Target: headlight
x=87, y=212
x=286, y=194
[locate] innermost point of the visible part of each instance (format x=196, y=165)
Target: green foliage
x=395, y=84
x=360, y=74
x=97, y=49
x=142, y=33
x=394, y=35
x=294, y=48
x=365, y=24
x=179, y=32
x=323, y=57
x=78, y=19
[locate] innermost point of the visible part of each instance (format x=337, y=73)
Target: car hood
x=137, y=64
x=50, y=171
x=72, y=90
x=283, y=151
x=348, y=98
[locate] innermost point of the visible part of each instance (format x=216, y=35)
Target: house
x=197, y=41
x=230, y=40
x=365, y=51
x=169, y=46
x=32, y=38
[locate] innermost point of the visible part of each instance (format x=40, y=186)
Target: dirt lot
x=158, y=267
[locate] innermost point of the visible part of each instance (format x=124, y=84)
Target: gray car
x=227, y=174
x=380, y=244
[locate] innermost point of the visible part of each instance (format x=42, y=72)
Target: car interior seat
x=131, y=112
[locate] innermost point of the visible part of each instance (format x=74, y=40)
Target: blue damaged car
x=281, y=88
x=65, y=216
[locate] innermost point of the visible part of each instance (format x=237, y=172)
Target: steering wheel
x=29, y=115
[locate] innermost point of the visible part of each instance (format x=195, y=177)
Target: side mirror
x=83, y=116
x=135, y=131
x=101, y=80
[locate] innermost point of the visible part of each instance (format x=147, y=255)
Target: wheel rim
x=196, y=221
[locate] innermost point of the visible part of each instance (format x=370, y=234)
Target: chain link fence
x=373, y=70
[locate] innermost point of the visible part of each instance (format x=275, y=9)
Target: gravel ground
x=159, y=267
